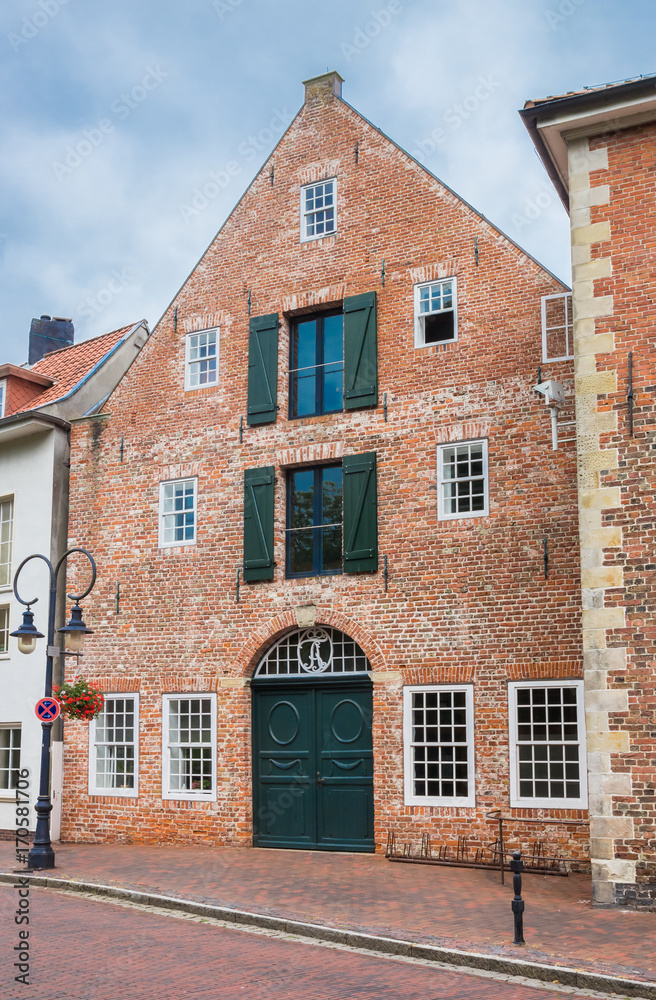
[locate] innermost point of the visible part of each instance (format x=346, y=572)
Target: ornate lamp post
x=41, y=854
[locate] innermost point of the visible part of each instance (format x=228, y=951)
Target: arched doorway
x=312, y=746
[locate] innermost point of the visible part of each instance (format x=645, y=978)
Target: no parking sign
x=47, y=709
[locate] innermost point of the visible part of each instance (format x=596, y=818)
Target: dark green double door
x=313, y=765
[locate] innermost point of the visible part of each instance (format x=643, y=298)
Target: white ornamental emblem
x=311, y=645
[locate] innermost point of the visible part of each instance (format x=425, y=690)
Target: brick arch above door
x=254, y=649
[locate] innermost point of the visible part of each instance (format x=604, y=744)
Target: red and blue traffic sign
x=47, y=709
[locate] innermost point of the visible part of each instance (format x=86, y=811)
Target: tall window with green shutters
x=331, y=519
x=333, y=361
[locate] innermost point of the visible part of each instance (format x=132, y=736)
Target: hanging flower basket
x=79, y=700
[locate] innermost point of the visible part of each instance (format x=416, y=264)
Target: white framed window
x=438, y=744
x=462, y=480
x=114, y=747
x=6, y=539
x=4, y=630
x=557, y=339
x=202, y=359
x=189, y=746
x=177, y=512
x=10, y=752
x=546, y=722
x=318, y=210
x=436, y=313
x=3, y=396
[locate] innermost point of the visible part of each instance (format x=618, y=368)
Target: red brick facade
x=467, y=599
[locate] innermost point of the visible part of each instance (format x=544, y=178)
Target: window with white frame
x=6, y=537
x=547, y=744
x=10, y=750
x=438, y=738
x=4, y=630
x=177, y=512
x=202, y=359
x=3, y=397
x=189, y=724
x=114, y=744
x=435, y=313
x=557, y=340
x=462, y=479
x=318, y=210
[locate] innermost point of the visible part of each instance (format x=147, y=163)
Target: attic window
x=435, y=313
x=318, y=210
x=202, y=358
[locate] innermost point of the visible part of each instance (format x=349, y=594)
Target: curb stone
x=566, y=976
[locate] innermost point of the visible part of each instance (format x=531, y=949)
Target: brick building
x=599, y=147
x=339, y=569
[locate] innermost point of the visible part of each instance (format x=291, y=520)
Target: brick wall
x=467, y=599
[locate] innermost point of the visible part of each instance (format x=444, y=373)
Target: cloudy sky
x=116, y=113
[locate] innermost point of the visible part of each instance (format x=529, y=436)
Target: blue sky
x=114, y=112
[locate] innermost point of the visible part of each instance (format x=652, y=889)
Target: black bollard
x=516, y=867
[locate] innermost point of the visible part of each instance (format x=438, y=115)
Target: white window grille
x=202, y=359
x=435, y=313
x=10, y=751
x=3, y=397
x=438, y=729
x=557, y=339
x=114, y=744
x=177, y=512
x=6, y=537
x=4, y=630
x=462, y=476
x=547, y=744
x=313, y=651
x=318, y=210
x=189, y=747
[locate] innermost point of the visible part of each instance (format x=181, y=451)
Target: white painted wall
x=26, y=473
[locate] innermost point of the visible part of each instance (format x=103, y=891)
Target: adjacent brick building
x=599, y=147
x=325, y=500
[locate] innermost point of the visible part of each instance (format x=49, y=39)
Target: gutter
x=24, y=415
x=531, y=124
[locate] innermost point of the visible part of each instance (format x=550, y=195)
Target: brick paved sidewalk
x=454, y=908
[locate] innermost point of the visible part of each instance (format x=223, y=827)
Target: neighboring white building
x=37, y=405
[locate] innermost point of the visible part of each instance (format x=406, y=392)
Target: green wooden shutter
x=263, y=369
x=258, y=523
x=360, y=513
x=360, y=351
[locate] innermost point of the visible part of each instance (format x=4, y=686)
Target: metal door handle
x=319, y=781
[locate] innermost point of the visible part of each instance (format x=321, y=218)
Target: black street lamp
x=41, y=854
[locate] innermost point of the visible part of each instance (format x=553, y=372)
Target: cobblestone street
x=82, y=949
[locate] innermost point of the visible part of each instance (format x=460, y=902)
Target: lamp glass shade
x=26, y=643
x=74, y=641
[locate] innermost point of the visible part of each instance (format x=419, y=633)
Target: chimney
x=49, y=333
x=321, y=88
